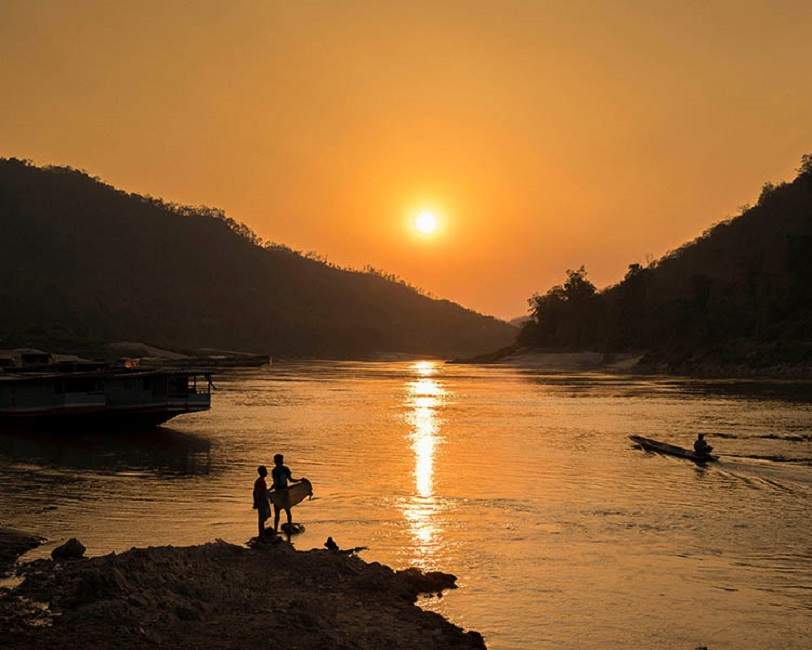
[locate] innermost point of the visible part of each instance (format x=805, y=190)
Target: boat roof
x=17, y=374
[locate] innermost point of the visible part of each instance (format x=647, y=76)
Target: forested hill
x=81, y=260
x=739, y=294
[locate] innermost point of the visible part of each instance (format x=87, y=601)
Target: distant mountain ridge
x=81, y=260
x=739, y=297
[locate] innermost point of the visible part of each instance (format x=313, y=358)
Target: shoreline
x=221, y=595
x=13, y=544
x=556, y=361
x=699, y=365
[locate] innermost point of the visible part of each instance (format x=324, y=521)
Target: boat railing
x=94, y=398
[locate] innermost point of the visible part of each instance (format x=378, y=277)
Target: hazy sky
x=544, y=135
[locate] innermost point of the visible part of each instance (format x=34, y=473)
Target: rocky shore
x=221, y=595
x=13, y=544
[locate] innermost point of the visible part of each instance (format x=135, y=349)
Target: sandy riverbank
x=220, y=595
x=559, y=361
x=731, y=362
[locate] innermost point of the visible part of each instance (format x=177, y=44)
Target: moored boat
x=101, y=396
x=672, y=450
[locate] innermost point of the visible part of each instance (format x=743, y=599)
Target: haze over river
x=521, y=483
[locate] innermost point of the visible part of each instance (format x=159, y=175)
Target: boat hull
x=672, y=450
x=106, y=398
x=89, y=420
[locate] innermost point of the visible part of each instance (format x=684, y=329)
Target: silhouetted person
x=281, y=475
x=261, y=504
x=701, y=447
x=331, y=546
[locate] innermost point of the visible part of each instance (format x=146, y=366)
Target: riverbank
x=736, y=359
x=221, y=595
x=552, y=361
x=731, y=362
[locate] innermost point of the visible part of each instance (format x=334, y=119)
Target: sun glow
x=426, y=223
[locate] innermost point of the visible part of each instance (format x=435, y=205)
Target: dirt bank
x=219, y=595
x=552, y=361
x=734, y=360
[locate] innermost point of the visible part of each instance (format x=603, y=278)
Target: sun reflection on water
x=423, y=443
x=424, y=396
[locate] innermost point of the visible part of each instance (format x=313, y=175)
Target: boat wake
x=804, y=437
x=773, y=458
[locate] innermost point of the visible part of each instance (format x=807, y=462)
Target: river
x=523, y=484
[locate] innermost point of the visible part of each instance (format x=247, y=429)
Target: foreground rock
x=13, y=544
x=73, y=549
x=220, y=595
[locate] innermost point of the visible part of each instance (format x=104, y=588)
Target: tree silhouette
x=742, y=290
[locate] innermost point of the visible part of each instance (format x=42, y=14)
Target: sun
x=426, y=223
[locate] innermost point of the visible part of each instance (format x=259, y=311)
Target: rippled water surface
x=523, y=484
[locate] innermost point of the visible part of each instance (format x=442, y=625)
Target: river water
x=523, y=484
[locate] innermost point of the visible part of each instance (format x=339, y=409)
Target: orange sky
x=546, y=135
